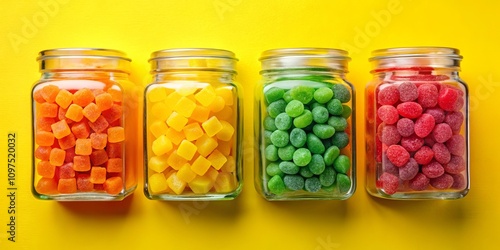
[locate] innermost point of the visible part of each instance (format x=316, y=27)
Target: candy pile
x=191, y=144
x=306, y=136
x=79, y=140
x=419, y=140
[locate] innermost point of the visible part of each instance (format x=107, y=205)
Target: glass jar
x=85, y=118
x=305, y=125
x=193, y=126
x=417, y=125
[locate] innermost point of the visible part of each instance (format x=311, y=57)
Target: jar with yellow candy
x=192, y=126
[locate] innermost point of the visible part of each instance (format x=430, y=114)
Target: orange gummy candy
x=116, y=134
x=64, y=98
x=49, y=93
x=37, y=96
x=116, y=94
x=113, y=114
x=45, y=169
x=74, y=112
x=98, y=175
x=113, y=185
x=81, y=130
x=99, y=125
x=98, y=157
x=114, y=150
x=57, y=156
x=83, y=183
x=67, y=186
x=114, y=165
x=60, y=129
x=43, y=153
x=48, y=110
x=83, y=97
x=81, y=163
x=46, y=186
x=66, y=171
x=98, y=140
x=104, y=101
x=44, y=123
x=68, y=141
x=91, y=112
x=44, y=138
x=83, y=147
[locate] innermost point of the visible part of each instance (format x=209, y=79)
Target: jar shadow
x=99, y=208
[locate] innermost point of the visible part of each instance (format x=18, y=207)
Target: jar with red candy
x=417, y=125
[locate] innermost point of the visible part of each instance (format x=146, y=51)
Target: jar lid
x=408, y=57
x=304, y=58
x=193, y=59
x=83, y=59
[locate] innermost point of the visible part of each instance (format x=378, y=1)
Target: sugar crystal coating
x=456, y=145
x=409, y=109
x=424, y=155
x=397, y=155
x=424, y=125
x=409, y=171
x=437, y=113
x=388, y=95
x=419, y=182
x=388, y=114
x=433, y=169
x=406, y=127
x=444, y=181
x=389, y=134
x=442, y=132
x=389, y=183
x=455, y=166
x=427, y=95
x=455, y=120
x=407, y=92
x=441, y=153
x=412, y=143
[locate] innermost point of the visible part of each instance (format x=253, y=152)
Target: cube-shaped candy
x=46, y=186
x=186, y=90
x=186, y=150
x=229, y=166
x=81, y=163
x=60, y=129
x=201, y=184
x=206, y=95
x=157, y=183
x=57, y=157
x=64, y=98
x=226, y=114
x=70, y=154
x=83, y=183
x=175, y=136
x=200, y=165
x=185, y=173
x=37, y=96
x=227, y=94
x=158, y=128
x=45, y=169
x=200, y=113
x=104, y=101
x=81, y=130
x=83, y=97
x=217, y=159
x=67, y=142
x=114, y=150
x=98, y=175
x=225, y=147
x=83, y=147
x=113, y=114
x=66, y=171
x=206, y=145
x=212, y=173
x=225, y=183
x=185, y=106
x=161, y=145
x=176, y=161
x=116, y=134
x=74, y=113
x=48, y=110
x=91, y=112
x=157, y=94
x=113, y=185
x=176, y=184
x=44, y=138
x=98, y=140
x=173, y=98
x=43, y=152
x=49, y=93
x=67, y=186
x=99, y=125
x=160, y=111
x=226, y=133
x=176, y=121
x=114, y=165
x=98, y=157
x=217, y=105
x=212, y=126
x=158, y=163
x=116, y=93
x=193, y=131
x=44, y=123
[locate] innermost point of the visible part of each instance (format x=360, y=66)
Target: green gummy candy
x=314, y=144
x=276, y=185
x=273, y=169
x=271, y=153
x=334, y=107
x=342, y=164
x=294, y=108
x=314, y=105
x=276, y=108
x=317, y=164
x=327, y=178
x=302, y=157
x=267, y=137
x=344, y=183
x=302, y=93
x=283, y=121
x=330, y=188
x=288, y=167
x=280, y=138
x=306, y=172
x=274, y=94
x=330, y=155
x=303, y=120
x=340, y=139
x=287, y=97
x=298, y=137
x=337, y=122
x=323, y=131
x=286, y=153
x=294, y=182
x=346, y=112
x=269, y=124
x=323, y=94
x=320, y=114
x=341, y=93
x=312, y=184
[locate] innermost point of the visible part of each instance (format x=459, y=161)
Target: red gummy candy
x=427, y=95
x=70, y=154
x=433, y=169
x=455, y=120
x=458, y=181
x=424, y=125
x=389, y=134
x=456, y=145
x=409, y=109
x=407, y=92
x=388, y=114
x=412, y=143
x=437, y=113
x=419, y=182
x=441, y=153
x=388, y=183
x=388, y=95
x=442, y=132
x=444, y=181
x=388, y=167
x=455, y=166
x=424, y=155
x=429, y=141
x=449, y=99
x=66, y=171
x=397, y=155
x=405, y=127
x=408, y=171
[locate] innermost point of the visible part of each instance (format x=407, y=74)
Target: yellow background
x=247, y=28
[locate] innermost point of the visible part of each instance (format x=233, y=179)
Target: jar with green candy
x=305, y=126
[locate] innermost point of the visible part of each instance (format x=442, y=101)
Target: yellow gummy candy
x=227, y=94
x=205, y=96
x=158, y=163
x=185, y=173
x=186, y=90
x=175, y=161
x=186, y=150
x=229, y=166
x=185, y=106
x=200, y=113
x=193, y=131
x=225, y=147
x=226, y=133
x=173, y=98
x=177, y=121
x=157, y=183
x=225, y=183
x=217, y=159
x=201, y=184
x=200, y=165
x=160, y=111
x=176, y=184
x=158, y=128
x=212, y=126
x=161, y=145
x=175, y=136
x=212, y=174
x=206, y=145
x=225, y=114
x=157, y=94
x=217, y=105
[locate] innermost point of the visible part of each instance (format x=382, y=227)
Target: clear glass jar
x=84, y=126
x=305, y=125
x=417, y=125
x=193, y=126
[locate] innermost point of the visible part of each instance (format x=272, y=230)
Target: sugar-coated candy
x=438, y=114
x=342, y=164
x=459, y=181
x=341, y=93
x=388, y=114
x=302, y=93
x=424, y=155
x=442, y=132
x=449, y=99
x=424, y=125
x=288, y=167
x=48, y=110
x=388, y=95
x=331, y=153
x=274, y=94
x=323, y=131
x=397, y=155
x=283, y=121
x=419, y=182
x=409, y=171
x=389, y=183
x=407, y=92
x=113, y=185
x=66, y=186
x=286, y=153
x=335, y=107
x=293, y=182
x=455, y=166
x=327, y=177
x=427, y=95
x=456, y=145
x=276, y=185
x=312, y=184
x=303, y=120
x=389, y=134
x=338, y=123
x=412, y=143
x=324, y=94
x=441, y=153
x=298, y=137
x=433, y=169
x=317, y=164
x=83, y=97
x=444, y=181
x=49, y=93
x=405, y=127
x=301, y=157
x=454, y=120
x=344, y=183
x=314, y=144
x=410, y=110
